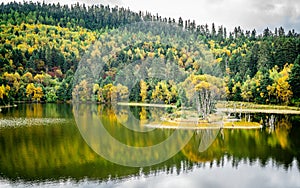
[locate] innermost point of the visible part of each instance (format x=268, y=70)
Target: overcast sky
x=248, y=14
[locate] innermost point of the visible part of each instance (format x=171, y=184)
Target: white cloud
x=249, y=14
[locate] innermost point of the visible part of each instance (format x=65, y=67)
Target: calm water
x=58, y=145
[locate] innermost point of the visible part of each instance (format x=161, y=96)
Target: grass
x=226, y=125
x=247, y=107
x=250, y=105
x=146, y=104
x=241, y=125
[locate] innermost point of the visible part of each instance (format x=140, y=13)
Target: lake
x=63, y=145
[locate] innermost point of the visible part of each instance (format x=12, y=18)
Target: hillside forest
x=42, y=45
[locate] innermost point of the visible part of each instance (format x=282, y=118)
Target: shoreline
x=240, y=107
x=264, y=111
x=250, y=105
x=146, y=104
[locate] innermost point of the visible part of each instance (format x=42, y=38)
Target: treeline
x=41, y=45
x=95, y=17
x=98, y=17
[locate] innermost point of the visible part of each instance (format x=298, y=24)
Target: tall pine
x=294, y=79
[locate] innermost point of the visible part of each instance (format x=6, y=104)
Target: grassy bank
x=146, y=104
x=249, y=105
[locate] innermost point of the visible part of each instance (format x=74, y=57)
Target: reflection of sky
x=248, y=14
x=227, y=176
x=245, y=175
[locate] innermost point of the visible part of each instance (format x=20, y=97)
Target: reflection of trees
x=53, y=152
x=294, y=137
x=36, y=110
x=278, y=128
x=197, y=149
x=206, y=138
x=238, y=145
x=118, y=143
x=250, y=145
x=281, y=132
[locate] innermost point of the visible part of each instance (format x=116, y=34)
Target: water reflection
x=57, y=152
x=137, y=148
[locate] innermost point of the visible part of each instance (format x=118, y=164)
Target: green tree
x=61, y=92
x=294, y=78
x=50, y=95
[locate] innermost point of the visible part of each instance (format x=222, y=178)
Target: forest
x=42, y=44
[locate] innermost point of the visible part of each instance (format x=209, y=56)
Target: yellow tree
x=280, y=88
x=82, y=92
x=98, y=92
x=247, y=88
x=38, y=94
x=30, y=90
x=3, y=91
x=38, y=78
x=11, y=78
x=119, y=93
x=27, y=77
x=161, y=92
x=283, y=90
x=204, y=90
x=107, y=92
x=205, y=97
x=13, y=81
x=42, y=79
x=283, y=87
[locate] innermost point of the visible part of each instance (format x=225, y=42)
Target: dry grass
x=241, y=125
x=146, y=104
x=249, y=105
x=246, y=107
x=190, y=125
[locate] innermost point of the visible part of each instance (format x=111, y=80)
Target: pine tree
x=294, y=79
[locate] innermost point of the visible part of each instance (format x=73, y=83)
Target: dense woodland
x=42, y=44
